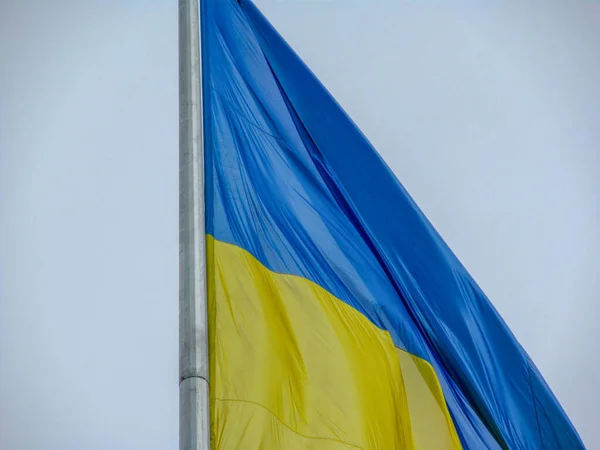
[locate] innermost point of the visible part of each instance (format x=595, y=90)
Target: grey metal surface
x=193, y=414
x=194, y=422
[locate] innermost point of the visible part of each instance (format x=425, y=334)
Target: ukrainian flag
x=338, y=318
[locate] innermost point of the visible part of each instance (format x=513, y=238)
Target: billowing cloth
x=338, y=318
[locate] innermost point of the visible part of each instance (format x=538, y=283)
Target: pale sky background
x=489, y=115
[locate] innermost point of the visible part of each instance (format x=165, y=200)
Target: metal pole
x=194, y=418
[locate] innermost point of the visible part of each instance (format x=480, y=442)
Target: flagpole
x=194, y=423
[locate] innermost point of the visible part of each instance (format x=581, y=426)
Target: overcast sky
x=490, y=116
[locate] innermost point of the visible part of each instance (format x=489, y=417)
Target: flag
x=338, y=317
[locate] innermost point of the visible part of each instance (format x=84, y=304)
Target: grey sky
x=489, y=116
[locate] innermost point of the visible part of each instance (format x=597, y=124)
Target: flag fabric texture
x=338, y=318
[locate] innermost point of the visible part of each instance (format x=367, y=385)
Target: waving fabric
x=338, y=317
